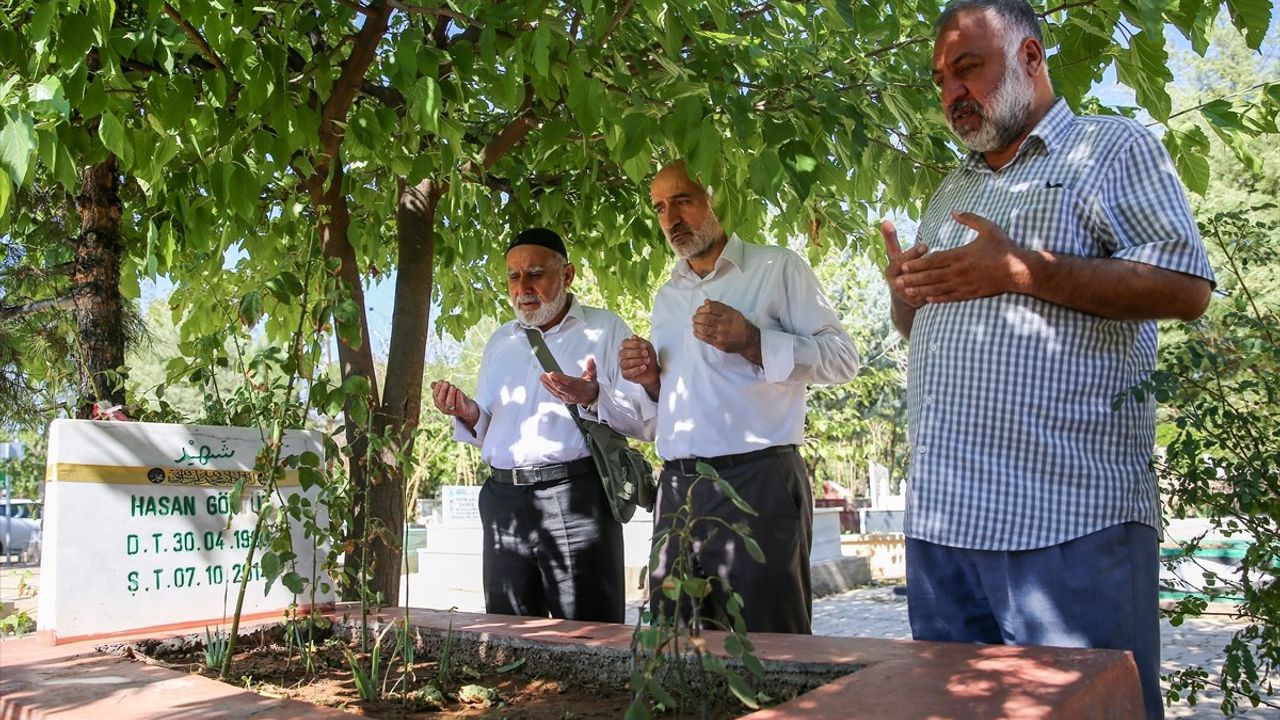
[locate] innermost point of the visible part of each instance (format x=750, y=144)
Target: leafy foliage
x=1224, y=457
x=671, y=663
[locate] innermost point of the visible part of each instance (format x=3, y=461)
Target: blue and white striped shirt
x=1015, y=444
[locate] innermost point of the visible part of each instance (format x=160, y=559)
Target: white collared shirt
x=713, y=403
x=522, y=424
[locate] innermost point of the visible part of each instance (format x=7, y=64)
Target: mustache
x=679, y=228
x=962, y=105
x=529, y=297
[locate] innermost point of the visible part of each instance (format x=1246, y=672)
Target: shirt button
x=928, y=399
x=922, y=449
x=933, y=347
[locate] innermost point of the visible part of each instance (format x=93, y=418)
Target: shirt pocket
x=1054, y=219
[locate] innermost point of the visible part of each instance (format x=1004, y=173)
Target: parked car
x=19, y=526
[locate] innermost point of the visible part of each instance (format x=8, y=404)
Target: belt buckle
x=519, y=475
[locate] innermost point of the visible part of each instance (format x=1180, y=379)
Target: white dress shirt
x=522, y=424
x=714, y=403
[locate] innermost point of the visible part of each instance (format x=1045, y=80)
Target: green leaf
x=584, y=100
x=294, y=582
x=17, y=145
x=1189, y=149
x=753, y=549
x=727, y=490
x=47, y=96
x=251, y=308
x=1251, y=17
x=801, y=166
x=75, y=37
x=540, y=53
x=1145, y=68
x=6, y=192
x=309, y=477
x=660, y=694
x=741, y=689
x=697, y=587
x=1222, y=114
x=706, y=149
x=111, y=132
x=637, y=710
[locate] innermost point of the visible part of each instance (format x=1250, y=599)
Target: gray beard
x=1006, y=117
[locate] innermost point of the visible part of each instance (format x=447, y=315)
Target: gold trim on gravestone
x=159, y=476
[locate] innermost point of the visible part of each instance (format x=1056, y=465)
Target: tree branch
x=195, y=36
x=1236, y=94
x=1067, y=6
x=355, y=6
x=907, y=155
x=436, y=11
x=890, y=48
x=9, y=312
x=616, y=21
x=350, y=79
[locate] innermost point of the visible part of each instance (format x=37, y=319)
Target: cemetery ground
x=873, y=612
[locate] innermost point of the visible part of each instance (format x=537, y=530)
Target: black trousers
x=552, y=549
x=776, y=594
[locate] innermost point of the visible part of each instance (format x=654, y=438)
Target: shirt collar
x=1050, y=133
x=575, y=311
x=732, y=255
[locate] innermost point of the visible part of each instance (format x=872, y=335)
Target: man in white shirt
x=551, y=544
x=738, y=332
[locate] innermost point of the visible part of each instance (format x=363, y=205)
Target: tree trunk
x=402, y=396
x=330, y=202
x=99, y=306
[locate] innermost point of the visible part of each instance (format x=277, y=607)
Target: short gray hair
x=1019, y=20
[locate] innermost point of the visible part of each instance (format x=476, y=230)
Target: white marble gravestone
x=139, y=532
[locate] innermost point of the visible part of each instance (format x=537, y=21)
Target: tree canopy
x=269, y=157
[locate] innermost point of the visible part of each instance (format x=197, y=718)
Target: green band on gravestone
x=160, y=476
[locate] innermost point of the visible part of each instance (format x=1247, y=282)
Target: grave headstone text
x=141, y=531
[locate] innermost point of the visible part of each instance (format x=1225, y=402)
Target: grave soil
x=265, y=664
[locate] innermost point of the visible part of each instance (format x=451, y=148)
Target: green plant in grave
x=279, y=374
x=671, y=664
x=1219, y=381
x=216, y=645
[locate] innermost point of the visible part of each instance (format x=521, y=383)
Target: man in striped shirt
x=1030, y=300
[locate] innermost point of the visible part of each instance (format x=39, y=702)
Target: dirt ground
x=276, y=670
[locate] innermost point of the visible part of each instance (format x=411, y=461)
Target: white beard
x=546, y=312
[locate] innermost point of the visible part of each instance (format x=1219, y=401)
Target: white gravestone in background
x=139, y=532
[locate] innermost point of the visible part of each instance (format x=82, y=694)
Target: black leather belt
x=689, y=466
x=544, y=473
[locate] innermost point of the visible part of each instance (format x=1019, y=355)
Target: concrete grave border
x=889, y=679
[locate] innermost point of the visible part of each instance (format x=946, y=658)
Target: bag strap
x=548, y=362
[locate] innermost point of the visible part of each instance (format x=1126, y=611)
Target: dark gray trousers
x=776, y=595
x=552, y=549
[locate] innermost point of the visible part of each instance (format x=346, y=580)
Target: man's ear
x=568, y=274
x=1032, y=53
